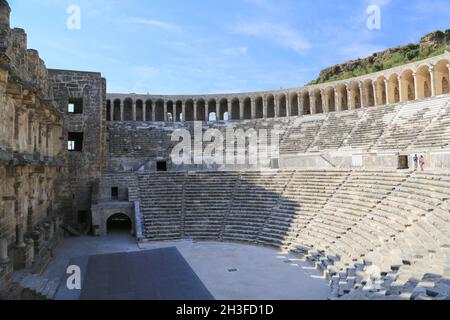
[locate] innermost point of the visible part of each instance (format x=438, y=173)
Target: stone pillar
x=253, y=104
x=416, y=88
x=362, y=94
x=134, y=110
x=350, y=100
x=386, y=85
x=337, y=100
x=288, y=105
x=325, y=104
x=111, y=111
x=183, y=111
x=144, y=111
x=194, y=107
x=265, y=107
x=433, y=81
x=312, y=103
x=230, y=114
x=165, y=111
x=121, y=109
x=4, y=251
x=154, y=112
x=20, y=243
x=276, y=107
x=174, y=112
x=375, y=96
x=218, y=111
x=241, y=109
x=207, y=111
x=400, y=89
x=300, y=104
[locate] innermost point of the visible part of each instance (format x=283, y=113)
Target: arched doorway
x=119, y=223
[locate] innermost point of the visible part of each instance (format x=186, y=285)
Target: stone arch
x=259, y=108
x=212, y=110
x=189, y=110
x=282, y=105
x=423, y=81
x=149, y=110
x=330, y=99
x=369, y=99
x=442, y=79
x=247, y=108
x=235, y=109
x=128, y=109
x=394, y=90
x=159, y=111
x=306, y=103
x=108, y=110
x=139, y=110
x=408, y=86
x=119, y=221
x=341, y=97
x=116, y=111
x=201, y=110
x=223, y=110
x=294, y=104
x=270, y=106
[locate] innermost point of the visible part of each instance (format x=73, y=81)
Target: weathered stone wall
x=83, y=168
x=31, y=155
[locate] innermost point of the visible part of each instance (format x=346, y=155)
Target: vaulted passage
x=119, y=223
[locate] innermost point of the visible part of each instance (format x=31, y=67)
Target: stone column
x=144, y=111
x=400, y=89
x=386, y=85
x=288, y=105
x=312, y=103
x=154, y=112
x=218, y=111
x=20, y=243
x=230, y=113
x=325, y=104
x=299, y=103
x=375, y=96
x=4, y=251
x=362, y=94
x=121, y=109
x=207, y=111
x=195, y=110
x=265, y=107
x=337, y=100
x=241, y=109
x=253, y=104
x=416, y=88
x=350, y=100
x=174, y=112
x=134, y=110
x=111, y=111
x=165, y=111
x=433, y=81
x=276, y=107
x=183, y=111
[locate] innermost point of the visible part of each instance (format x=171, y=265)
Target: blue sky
x=211, y=46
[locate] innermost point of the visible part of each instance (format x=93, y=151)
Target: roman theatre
x=87, y=179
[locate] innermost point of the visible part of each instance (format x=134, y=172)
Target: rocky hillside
x=432, y=44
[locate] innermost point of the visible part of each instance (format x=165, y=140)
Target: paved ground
x=229, y=271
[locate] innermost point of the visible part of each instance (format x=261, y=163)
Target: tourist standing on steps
x=416, y=162
x=422, y=162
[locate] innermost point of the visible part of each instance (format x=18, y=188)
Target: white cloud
x=279, y=34
x=157, y=24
